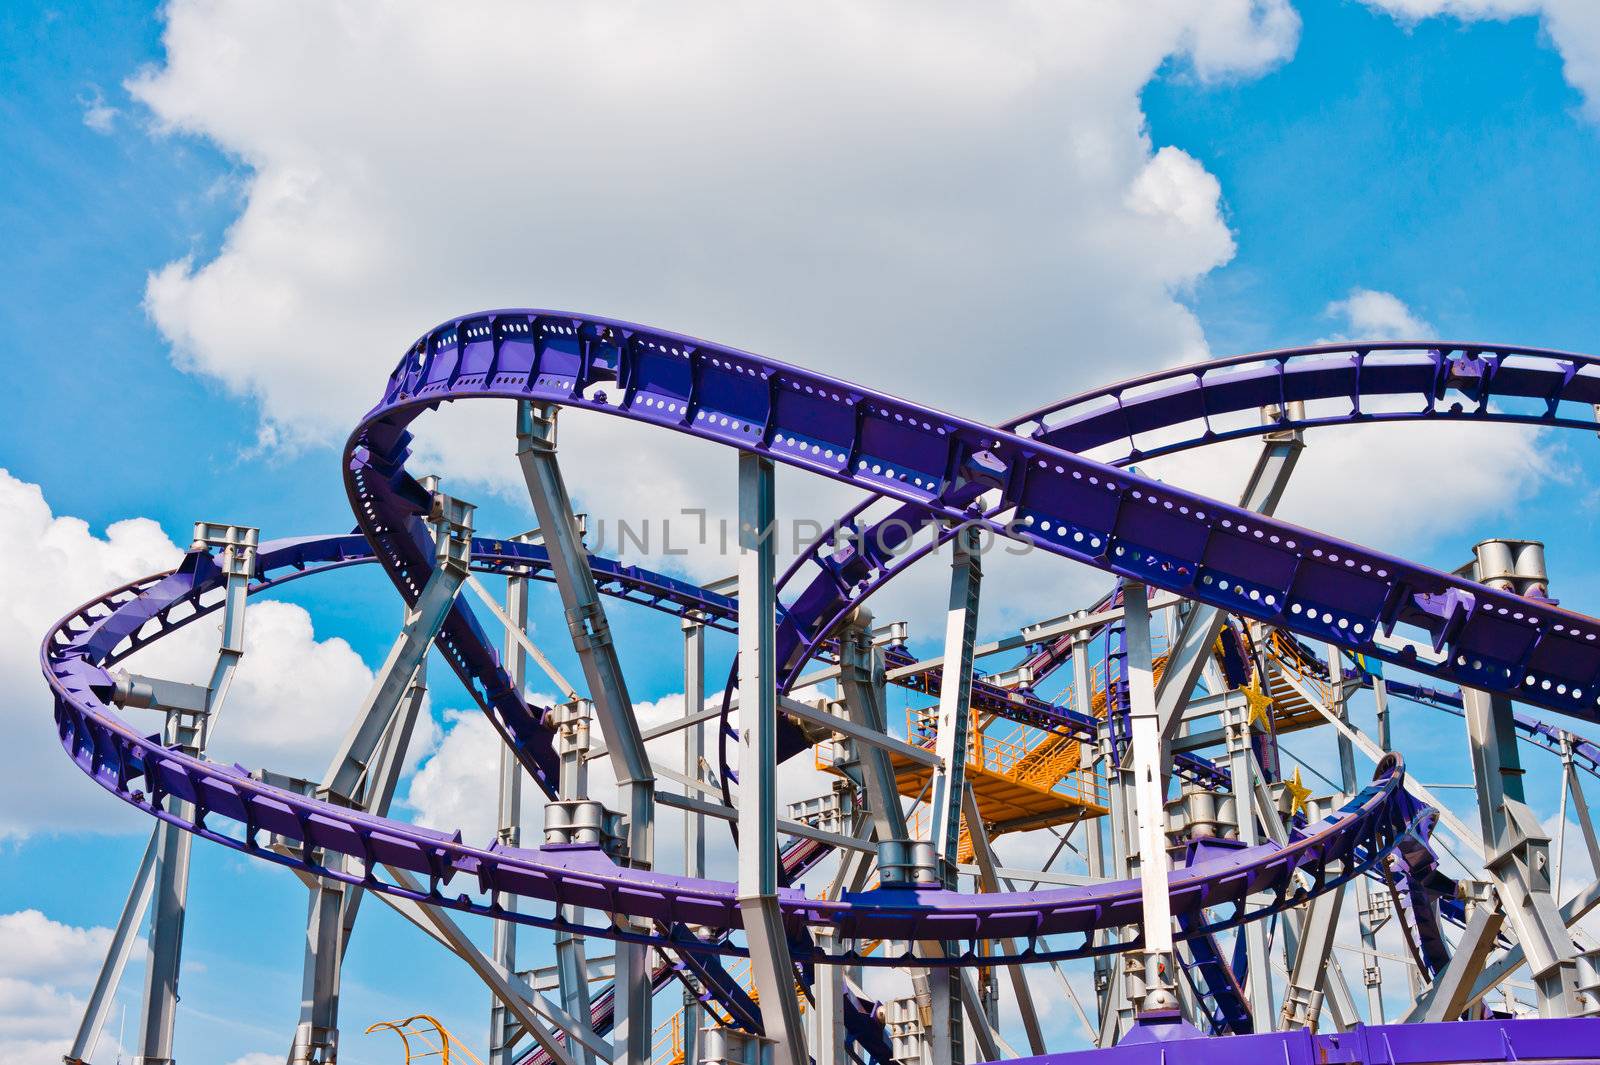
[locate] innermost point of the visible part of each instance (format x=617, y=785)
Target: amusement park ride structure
x=1146, y=725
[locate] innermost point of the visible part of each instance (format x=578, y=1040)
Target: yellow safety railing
x=424, y=1037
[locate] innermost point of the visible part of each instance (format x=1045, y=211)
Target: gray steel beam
x=770, y=964
x=989, y=880
x=1519, y=853
x=369, y=760
x=694, y=824
x=591, y=637
x=1103, y=835
x=955, y=704
x=1156, y=957
x=187, y=731
x=1242, y=769
x=859, y=734
x=170, y=900
x=1302, y=998
x=518, y=635
x=1575, y=910
x=572, y=966
x=1450, y=993
x=1372, y=976
x=861, y=679
x=828, y=1036
x=530, y=1008
x=502, y=1022
x=452, y=548
x=117, y=953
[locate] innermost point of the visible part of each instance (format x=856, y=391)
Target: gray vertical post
x=591, y=637
x=1302, y=999
x=316, y=1039
x=187, y=731
x=571, y=722
x=758, y=745
x=950, y=775
x=830, y=1032
x=1518, y=853
x=1103, y=844
x=502, y=1024
x=694, y=825
x=1241, y=768
x=862, y=682
x=1156, y=959
x=1516, y=848
x=1371, y=972
x=1380, y=703
x=955, y=697
x=166, y=941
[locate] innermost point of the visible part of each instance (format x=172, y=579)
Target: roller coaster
x=1137, y=736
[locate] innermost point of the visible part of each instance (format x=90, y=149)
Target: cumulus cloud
x=1573, y=27
x=46, y=970
x=1371, y=315
x=97, y=114
x=292, y=699
x=964, y=206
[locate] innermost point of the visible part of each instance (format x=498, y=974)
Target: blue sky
x=1449, y=163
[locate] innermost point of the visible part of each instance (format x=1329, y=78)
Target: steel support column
x=1450, y=993
x=1302, y=998
x=187, y=730
x=121, y=947
x=591, y=637
x=989, y=881
x=694, y=824
x=955, y=704
x=770, y=963
x=1155, y=965
x=1242, y=770
x=571, y=722
x=503, y=1027
x=1103, y=844
x=1518, y=853
x=949, y=775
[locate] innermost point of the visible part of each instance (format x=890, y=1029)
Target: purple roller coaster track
x=1212, y=898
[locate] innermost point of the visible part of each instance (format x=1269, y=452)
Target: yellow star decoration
x=1260, y=702
x=1298, y=793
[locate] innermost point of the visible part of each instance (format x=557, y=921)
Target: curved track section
x=237, y=811
x=1026, y=481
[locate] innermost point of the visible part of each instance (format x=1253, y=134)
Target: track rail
x=1024, y=481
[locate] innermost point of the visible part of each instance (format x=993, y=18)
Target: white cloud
x=48, y=565
x=291, y=701
x=46, y=970
x=1371, y=315
x=97, y=114
x=258, y=1058
x=41, y=950
x=456, y=787
x=1572, y=25
x=965, y=206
